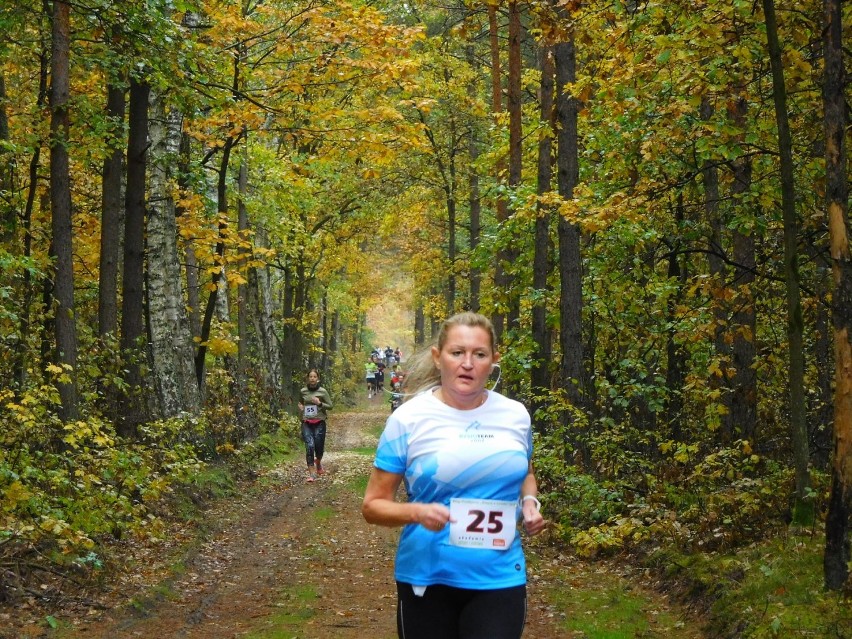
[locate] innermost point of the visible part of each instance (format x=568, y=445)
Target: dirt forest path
x=298, y=561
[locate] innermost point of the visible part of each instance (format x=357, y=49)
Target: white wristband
x=532, y=497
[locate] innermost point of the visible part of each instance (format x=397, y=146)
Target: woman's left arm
x=534, y=523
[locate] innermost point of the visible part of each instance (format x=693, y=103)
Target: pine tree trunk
x=804, y=508
x=570, y=266
x=132, y=306
x=509, y=255
x=837, y=549
x=474, y=202
x=60, y=201
x=571, y=369
x=498, y=316
x=112, y=214
x=540, y=373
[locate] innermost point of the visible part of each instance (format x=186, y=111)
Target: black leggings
x=456, y=613
x=314, y=438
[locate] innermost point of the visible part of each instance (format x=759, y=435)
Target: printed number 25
x=495, y=525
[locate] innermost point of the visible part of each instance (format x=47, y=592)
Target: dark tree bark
x=474, y=201
x=112, y=213
x=837, y=549
x=25, y=324
x=509, y=255
x=60, y=206
x=741, y=418
x=821, y=421
x=501, y=281
x=222, y=208
x=193, y=298
x=803, y=511
x=716, y=258
x=570, y=266
x=419, y=325
x=675, y=355
x=540, y=372
x=133, y=294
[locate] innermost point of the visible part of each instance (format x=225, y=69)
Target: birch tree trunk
x=260, y=300
x=171, y=344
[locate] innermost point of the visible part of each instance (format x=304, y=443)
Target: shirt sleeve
x=392, y=451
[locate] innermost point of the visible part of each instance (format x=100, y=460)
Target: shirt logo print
x=472, y=433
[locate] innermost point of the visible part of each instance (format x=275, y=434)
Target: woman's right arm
x=380, y=506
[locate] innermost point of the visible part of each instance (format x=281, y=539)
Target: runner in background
x=380, y=376
x=370, y=369
x=315, y=401
x=465, y=454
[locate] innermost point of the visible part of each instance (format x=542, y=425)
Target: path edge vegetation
x=200, y=201
x=765, y=589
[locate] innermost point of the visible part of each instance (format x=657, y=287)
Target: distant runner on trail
x=370, y=369
x=464, y=453
x=315, y=401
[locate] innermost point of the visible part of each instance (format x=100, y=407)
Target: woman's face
x=313, y=378
x=465, y=361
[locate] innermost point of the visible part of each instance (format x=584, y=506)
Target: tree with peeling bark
x=839, y=519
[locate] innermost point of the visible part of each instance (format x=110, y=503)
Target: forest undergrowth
x=712, y=543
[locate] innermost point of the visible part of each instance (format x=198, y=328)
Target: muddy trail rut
x=297, y=560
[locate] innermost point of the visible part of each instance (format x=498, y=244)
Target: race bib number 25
x=488, y=524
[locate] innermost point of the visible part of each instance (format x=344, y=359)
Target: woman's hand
x=433, y=516
x=380, y=507
x=534, y=523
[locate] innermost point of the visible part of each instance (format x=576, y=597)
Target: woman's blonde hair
x=421, y=372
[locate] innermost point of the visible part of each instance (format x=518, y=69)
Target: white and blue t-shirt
x=445, y=453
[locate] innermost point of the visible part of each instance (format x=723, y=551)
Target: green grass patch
x=324, y=514
x=607, y=607
x=295, y=609
x=768, y=590
x=358, y=485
